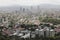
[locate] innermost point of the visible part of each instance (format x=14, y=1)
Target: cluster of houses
x=30, y=31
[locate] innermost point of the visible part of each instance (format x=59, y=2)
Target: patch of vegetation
x=50, y=20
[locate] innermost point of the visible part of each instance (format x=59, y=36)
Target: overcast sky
x=27, y=2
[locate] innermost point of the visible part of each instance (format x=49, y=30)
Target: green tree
x=51, y=20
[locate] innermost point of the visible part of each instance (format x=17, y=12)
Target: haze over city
x=28, y=2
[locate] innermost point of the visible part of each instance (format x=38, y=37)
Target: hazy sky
x=27, y=2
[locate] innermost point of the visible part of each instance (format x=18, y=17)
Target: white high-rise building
x=52, y=33
x=41, y=32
